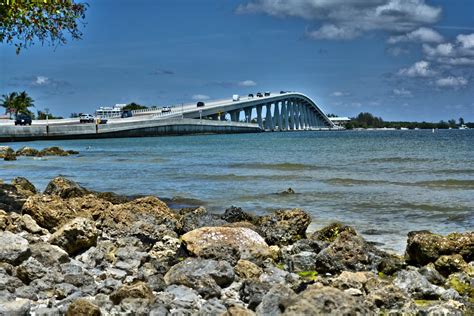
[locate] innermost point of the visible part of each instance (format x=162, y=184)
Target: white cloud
x=41, y=81
x=452, y=82
x=200, y=97
x=419, y=69
x=342, y=19
x=397, y=51
x=458, y=53
x=402, y=93
x=466, y=41
x=422, y=34
x=340, y=94
x=247, y=83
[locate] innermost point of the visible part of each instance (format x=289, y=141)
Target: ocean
x=384, y=183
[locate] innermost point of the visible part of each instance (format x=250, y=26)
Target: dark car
x=23, y=119
x=199, y=104
x=267, y=94
x=126, y=113
x=250, y=95
x=282, y=92
x=259, y=95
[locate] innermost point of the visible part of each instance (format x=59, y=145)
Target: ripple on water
x=286, y=166
x=447, y=184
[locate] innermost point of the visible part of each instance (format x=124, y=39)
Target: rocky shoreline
x=69, y=250
x=9, y=154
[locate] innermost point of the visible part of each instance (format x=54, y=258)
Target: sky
x=398, y=59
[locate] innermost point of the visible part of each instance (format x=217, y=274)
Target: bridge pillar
x=234, y=115
x=306, y=117
x=259, y=116
x=248, y=115
x=310, y=117
x=291, y=110
x=296, y=113
x=302, y=116
x=277, y=115
x=268, y=118
x=286, y=118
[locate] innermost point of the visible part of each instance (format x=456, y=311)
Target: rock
x=5, y=150
x=302, y=261
x=236, y=214
x=325, y=300
x=73, y=273
x=253, y=291
x=76, y=236
x=452, y=308
x=13, y=248
x=462, y=283
x=83, y=307
x=247, y=270
x=416, y=285
x=447, y=265
x=11, y=200
x=55, y=151
x=331, y=232
x=183, y=297
x=137, y=290
x=284, y=227
x=24, y=186
x=18, y=307
x=431, y=274
x=287, y=192
x=65, y=188
x=347, y=252
x=424, y=247
x=31, y=270
x=355, y=280
x=30, y=225
x=27, y=151
x=8, y=155
x=129, y=258
x=387, y=297
x=198, y=218
x=113, y=198
x=212, y=307
x=49, y=255
x=205, y=276
x=250, y=245
x=165, y=248
x=238, y=311
x=274, y=301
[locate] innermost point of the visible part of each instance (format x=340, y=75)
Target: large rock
x=31, y=270
x=447, y=265
x=424, y=247
x=13, y=248
x=137, y=290
x=65, y=188
x=415, y=284
x=348, y=251
x=56, y=151
x=284, y=227
x=11, y=200
x=250, y=245
x=274, y=301
x=24, y=186
x=5, y=150
x=331, y=232
x=83, y=307
x=205, y=276
x=49, y=255
x=18, y=307
x=76, y=236
x=198, y=218
x=325, y=301
x=27, y=151
x=236, y=214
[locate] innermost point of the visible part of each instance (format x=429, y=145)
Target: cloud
x=452, y=82
x=457, y=53
x=419, y=69
x=247, y=83
x=40, y=81
x=341, y=19
x=422, y=34
x=340, y=94
x=160, y=71
x=402, y=93
x=201, y=97
x=397, y=51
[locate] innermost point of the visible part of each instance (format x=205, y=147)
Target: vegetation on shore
x=368, y=120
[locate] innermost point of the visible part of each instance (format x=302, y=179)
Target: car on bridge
x=235, y=97
x=250, y=95
x=259, y=95
x=200, y=104
x=86, y=118
x=282, y=92
x=267, y=94
x=166, y=109
x=23, y=119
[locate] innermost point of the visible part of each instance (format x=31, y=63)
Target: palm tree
x=17, y=103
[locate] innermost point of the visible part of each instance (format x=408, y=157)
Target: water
x=385, y=183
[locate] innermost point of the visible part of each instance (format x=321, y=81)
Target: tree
x=134, y=106
x=461, y=121
x=22, y=22
x=17, y=103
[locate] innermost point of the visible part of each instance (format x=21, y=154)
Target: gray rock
x=48, y=311
x=253, y=291
x=129, y=258
x=274, y=301
x=302, y=261
x=135, y=306
x=416, y=285
x=199, y=218
x=205, y=276
x=18, y=307
x=11, y=200
x=184, y=297
x=212, y=307
x=431, y=274
x=76, y=275
x=13, y=248
x=236, y=214
x=284, y=227
x=108, y=286
x=76, y=236
x=63, y=290
x=65, y=188
x=30, y=270
x=49, y=255
x=387, y=297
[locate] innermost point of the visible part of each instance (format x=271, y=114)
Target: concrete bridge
x=277, y=112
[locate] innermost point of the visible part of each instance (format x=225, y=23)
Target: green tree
x=17, y=103
x=134, y=106
x=461, y=121
x=49, y=21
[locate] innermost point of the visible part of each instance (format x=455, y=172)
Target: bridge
x=276, y=112
x=290, y=111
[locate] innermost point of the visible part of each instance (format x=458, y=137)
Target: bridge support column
x=284, y=110
x=234, y=115
x=296, y=114
x=302, y=127
x=248, y=115
x=291, y=113
x=277, y=115
x=259, y=116
x=268, y=118
x=306, y=117
x=214, y=117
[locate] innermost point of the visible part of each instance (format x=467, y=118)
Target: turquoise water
x=385, y=183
